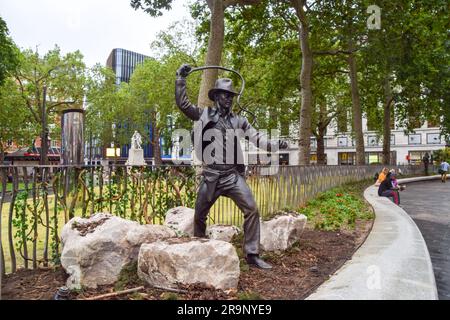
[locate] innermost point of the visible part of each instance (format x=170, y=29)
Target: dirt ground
x=296, y=273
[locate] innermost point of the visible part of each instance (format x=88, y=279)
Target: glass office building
x=123, y=62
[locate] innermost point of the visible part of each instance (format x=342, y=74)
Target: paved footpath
x=428, y=204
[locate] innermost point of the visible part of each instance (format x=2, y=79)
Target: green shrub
x=338, y=208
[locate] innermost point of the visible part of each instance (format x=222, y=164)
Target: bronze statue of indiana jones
x=224, y=174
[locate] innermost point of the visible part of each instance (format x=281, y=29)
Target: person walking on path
x=443, y=170
x=387, y=190
x=426, y=162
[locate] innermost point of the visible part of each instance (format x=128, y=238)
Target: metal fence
x=37, y=201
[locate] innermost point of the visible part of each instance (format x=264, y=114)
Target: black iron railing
x=36, y=201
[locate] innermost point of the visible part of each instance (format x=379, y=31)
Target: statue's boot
x=255, y=260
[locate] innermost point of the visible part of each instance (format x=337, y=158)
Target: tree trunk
x=357, y=113
x=321, y=147
x=2, y=156
x=44, y=147
x=305, y=85
x=321, y=131
x=44, y=132
x=387, y=121
x=156, y=147
x=214, y=53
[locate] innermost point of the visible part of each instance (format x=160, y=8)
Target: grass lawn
x=9, y=186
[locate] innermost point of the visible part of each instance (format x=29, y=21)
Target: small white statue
x=136, y=141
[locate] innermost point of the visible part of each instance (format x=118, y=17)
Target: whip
x=240, y=91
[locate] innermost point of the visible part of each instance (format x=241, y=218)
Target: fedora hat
x=222, y=84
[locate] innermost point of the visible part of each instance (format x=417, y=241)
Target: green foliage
x=107, y=104
x=9, y=54
x=157, y=190
x=152, y=7
x=237, y=242
x=16, y=122
x=337, y=209
x=127, y=277
x=442, y=155
x=409, y=49
x=136, y=296
x=20, y=221
x=169, y=296
x=249, y=295
x=62, y=75
x=54, y=243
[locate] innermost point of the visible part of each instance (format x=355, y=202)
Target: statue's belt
x=226, y=179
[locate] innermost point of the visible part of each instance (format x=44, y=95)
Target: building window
x=284, y=159
x=415, y=139
x=9, y=143
x=313, y=143
x=377, y=157
x=313, y=158
x=54, y=144
x=433, y=138
x=346, y=158
x=372, y=141
x=392, y=139
x=342, y=142
x=373, y=158
x=415, y=157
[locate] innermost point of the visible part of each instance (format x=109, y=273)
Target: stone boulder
x=170, y=262
x=96, y=249
x=181, y=219
x=222, y=232
x=281, y=232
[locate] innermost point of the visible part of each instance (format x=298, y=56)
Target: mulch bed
x=295, y=274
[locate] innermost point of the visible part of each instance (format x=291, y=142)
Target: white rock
x=181, y=219
x=170, y=262
x=281, y=232
x=221, y=232
x=96, y=249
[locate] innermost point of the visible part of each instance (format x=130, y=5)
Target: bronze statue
x=223, y=167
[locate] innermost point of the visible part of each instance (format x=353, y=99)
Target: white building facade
x=406, y=148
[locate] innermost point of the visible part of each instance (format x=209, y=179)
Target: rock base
x=167, y=263
x=96, y=249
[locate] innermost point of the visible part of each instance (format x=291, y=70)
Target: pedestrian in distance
x=443, y=170
x=426, y=162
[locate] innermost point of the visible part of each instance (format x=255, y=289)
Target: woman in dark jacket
x=387, y=190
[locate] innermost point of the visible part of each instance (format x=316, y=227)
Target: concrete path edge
x=392, y=264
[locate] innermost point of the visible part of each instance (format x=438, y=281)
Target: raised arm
x=190, y=110
x=260, y=139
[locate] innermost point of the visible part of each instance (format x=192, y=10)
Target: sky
x=94, y=27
